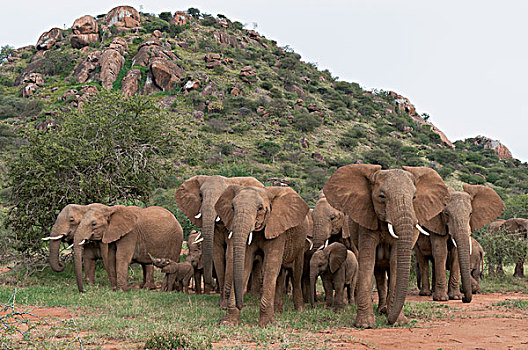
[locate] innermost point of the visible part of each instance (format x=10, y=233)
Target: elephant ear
x=486, y=203
x=432, y=194
x=436, y=225
x=349, y=190
x=121, y=221
x=224, y=205
x=188, y=198
x=337, y=254
x=288, y=210
x=245, y=181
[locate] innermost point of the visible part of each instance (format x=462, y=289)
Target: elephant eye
x=232, y=207
x=332, y=218
x=260, y=208
x=72, y=219
x=382, y=196
x=94, y=223
x=200, y=194
x=414, y=197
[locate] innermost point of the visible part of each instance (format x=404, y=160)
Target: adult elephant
x=131, y=234
x=274, y=221
x=450, y=232
x=196, y=198
x=517, y=227
x=387, y=205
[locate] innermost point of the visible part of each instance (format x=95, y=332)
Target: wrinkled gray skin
x=467, y=211
x=177, y=275
x=195, y=258
x=198, y=195
x=66, y=224
x=338, y=268
x=513, y=226
x=476, y=265
x=131, y=233
x=375, y=198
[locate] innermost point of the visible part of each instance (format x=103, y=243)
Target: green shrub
x=11, y=107
x=472, y=179
x=208, y=20
x=268, y=149
x=57, y=63
x=381, y=157
x=501, y=246
x=306, y=121
x=177, y=341
x=156, y=24
x=166, y=16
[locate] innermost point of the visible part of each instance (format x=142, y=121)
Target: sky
x=465, y=63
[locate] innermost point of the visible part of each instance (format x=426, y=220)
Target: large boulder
x=502, y=151
x=149, y=49
x=85, y=70
x=123, y=17
x=118, y=43
x=181, y=18
x=85, y=32
x=166, y=74
x=32, y=81
x=49, y=38
x=130, y=83
x=111, y=64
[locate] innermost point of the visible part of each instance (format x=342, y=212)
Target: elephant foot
x=231, y=318
x=149, y=286
x=265, y=320
x=207, y=289
x=455, y=296
x=382, y=309
x=440, y=297
x=223, y=304
x=425, y=292
x=401, y=320
x=365, y=321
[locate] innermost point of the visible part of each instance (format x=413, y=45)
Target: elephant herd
x=366, y=223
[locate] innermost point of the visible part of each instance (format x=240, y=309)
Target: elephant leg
x=165, y=284
x=255, y=287
x=519, y=270
x=328, y=289
x=89, y=267
x=392, y=287
x=148, y=277
x=423, y=271
x=219, y=261
x=111, y=266
x=298, y=302
x=381, y=286
x=279, y=291
x=439, y=247
x=123, y=260
x=453, y=291
x=339, y=286
x=272, y=264
x=368, y=242
x=197, y=281
x=226, y=282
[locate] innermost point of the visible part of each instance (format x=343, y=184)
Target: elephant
x=476, y=264
x=194, y=243
x=130, y=233
x=330, y=225
x=338, y=268
x=449, y=242
x=388, y=206
x=175, y=272
x=196, y=198
x=513, y=226
x=64, y=230
x=272, y=220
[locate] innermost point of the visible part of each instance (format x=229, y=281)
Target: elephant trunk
x=77, y=259
x=404, y=229
x=241, y=230
x=313, y=280
x=54, y=262
x=208, y=230
x=462, y=241
x=321, y=232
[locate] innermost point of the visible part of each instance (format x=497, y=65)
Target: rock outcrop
x=130, y=83
x=85, y=32
x=31, y=82
x=181, y=18
x=123, y=17
x=85, y=71
x=149, y=49
x=166, y=74
x=49, y=38
x=502, y=151
x=111, y=63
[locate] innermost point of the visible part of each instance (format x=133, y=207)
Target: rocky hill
x=255, y=108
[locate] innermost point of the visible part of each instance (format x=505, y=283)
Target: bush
x=268, y=149
x=177, y=341
x=87, y=159
x=503, y=247
x=156, y=24
x=166, y=16
x=306, y=121
x=11, y=107
x=381, y=157
x=57, y=63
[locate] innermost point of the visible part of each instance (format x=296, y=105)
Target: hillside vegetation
x=244, y=105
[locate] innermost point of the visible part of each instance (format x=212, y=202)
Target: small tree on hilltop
x=110, y=152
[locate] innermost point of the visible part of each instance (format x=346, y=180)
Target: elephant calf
x=476, y=265
x=174, y=272
x=338, y=268
x=194, y=242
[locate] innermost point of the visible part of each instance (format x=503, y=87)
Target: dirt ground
x=478, y=325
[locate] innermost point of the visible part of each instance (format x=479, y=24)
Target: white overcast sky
x=465, y=63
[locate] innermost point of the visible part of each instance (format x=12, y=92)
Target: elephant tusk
x=230, y=234
x=470, y=246
x=82, y=242
x=199, y=215
x=391, y=231
x=70, y=246
x=250, y=237
x=326, y=244
x=217, y=218
x=422, y=230
x=311, y=243
x=198, y=240
x=198, y=237
x=453, y=240
x=53, y=238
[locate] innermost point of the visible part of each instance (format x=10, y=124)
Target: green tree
x=108, y=152
x=516, y=207
x=5, y=52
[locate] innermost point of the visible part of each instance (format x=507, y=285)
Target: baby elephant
x=174, y=272
x=194, y=242
x=338, y=268
x=476, y=265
